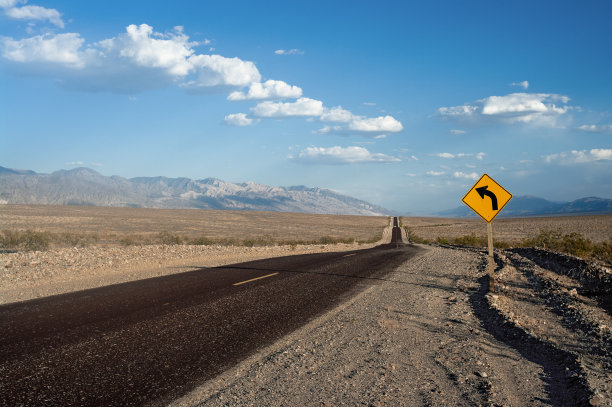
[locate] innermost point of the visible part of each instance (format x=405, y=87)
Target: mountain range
x=84, y=186
x=533, y=206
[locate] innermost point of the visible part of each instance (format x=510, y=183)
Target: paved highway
x=151, y=341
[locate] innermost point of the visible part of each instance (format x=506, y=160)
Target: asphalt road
x=152, y=341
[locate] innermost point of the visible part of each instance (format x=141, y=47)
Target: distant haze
x=83, y=186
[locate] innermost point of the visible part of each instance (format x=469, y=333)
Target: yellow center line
x=256, y=278
x=349, y=255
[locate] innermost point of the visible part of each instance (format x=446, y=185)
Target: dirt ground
x=189, y=223
x=429, y=335
x=598, y=228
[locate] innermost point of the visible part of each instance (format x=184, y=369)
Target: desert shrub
x=442, y=240
x=75, y=239
x=413, y=237
x=134, y=240
x=169, y=238
x=471, y=240
x=29, y=240
x=327, y=240
x=36, y=241
x=266, y=240
x=603, y=252
x=202, y=241
x=571, y=243
x=10, y=239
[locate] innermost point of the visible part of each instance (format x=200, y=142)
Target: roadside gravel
x=411, y=340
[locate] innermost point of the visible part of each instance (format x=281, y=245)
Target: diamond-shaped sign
x=487, y=198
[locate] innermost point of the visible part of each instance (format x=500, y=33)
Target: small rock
x=481, y=374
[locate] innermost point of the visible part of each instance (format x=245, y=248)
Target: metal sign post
x=487, y=198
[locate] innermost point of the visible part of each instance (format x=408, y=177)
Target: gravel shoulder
x=412, y=339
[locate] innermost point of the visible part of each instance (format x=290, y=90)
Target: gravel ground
x=413, y=339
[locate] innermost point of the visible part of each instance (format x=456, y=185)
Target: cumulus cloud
x=143, y=47
x=535, y=108
x=60, y=49
x=269, y=89
x=373, y=126
x=376, y=124
x=435, y=173
x=337, y=114
x=293, y=51
x=580, y=156
x=238, y=119
x=136, y=60
x=596, y=128
x=341, y=155
x=31, y=12
x=303, y=107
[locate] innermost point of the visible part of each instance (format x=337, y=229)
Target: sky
x=403, y=104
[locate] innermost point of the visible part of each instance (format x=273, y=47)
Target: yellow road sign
x=487, y=198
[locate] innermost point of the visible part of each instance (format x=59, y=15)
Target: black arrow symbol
x=482, y=191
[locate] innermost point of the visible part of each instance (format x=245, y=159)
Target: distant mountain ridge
x=84, y=186
x=534, y=206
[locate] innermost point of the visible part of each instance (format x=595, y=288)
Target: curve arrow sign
x=482, y=191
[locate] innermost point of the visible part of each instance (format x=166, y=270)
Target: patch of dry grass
x=583, y=236
x=67, y=226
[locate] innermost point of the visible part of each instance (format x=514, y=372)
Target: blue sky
x=403, y=104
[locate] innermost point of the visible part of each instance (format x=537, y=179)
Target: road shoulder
x=412, y=339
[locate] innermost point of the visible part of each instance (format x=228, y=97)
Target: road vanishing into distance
x=152, y=341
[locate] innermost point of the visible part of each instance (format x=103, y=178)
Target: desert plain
x=429, y=333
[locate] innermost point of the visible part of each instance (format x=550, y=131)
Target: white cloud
x=269, y=89
x=595, y=128
x=359, y=124
x=303, y=107
x=478, y=156
x=62, y=49
x=435, y=173
x=535, y=108
x=523, y=84
x=216, y=70
x=337, y=114
x=10, y=3
x=293, y=51
x=580, y=156
x=145, y=48
x=31, y=12
x=457, y=131
x=136, y=60
x=341, y=155
x=376, y=124
x=238, y=119
x=460, y=174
